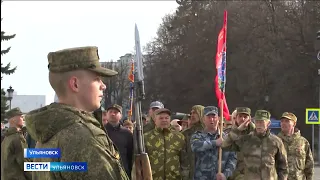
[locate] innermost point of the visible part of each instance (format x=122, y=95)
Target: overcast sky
x=46, y=26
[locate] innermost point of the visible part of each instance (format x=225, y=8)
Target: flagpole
x=220, y=130
x=223, y=91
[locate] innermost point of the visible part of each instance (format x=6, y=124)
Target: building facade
x=28, y=102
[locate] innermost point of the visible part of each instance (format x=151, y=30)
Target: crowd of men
x=186, y=149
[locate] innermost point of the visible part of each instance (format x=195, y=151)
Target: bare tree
x=269, y=53
x=117, y=91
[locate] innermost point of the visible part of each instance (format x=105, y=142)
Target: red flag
x=131, y=73
x=131, y=79
x=220, y=80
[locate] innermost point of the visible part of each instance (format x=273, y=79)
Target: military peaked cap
x=115, y=106
x=262, y=115
x=81, y=58
x=243, y=110
x=289, y=116
x=13, y=112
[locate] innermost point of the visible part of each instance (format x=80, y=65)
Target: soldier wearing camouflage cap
x=75, y=74
x=12, y=148
x=240, y=115
x=300, y=159
x=164, y=147
x=264, y=154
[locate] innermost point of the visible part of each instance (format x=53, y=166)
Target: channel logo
x=56, y=166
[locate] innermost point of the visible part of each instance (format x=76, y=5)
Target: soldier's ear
x=73, y=84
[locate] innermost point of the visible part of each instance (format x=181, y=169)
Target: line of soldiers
x=250, y=151
x=260, y=154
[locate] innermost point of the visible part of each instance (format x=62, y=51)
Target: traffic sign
x=312, y=116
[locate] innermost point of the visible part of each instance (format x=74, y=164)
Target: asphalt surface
x=317, y=173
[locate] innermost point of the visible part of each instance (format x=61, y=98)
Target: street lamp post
x=10, y=95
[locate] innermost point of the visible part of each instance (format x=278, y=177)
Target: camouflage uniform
x=12, y=152
x=203, y=144
x=188, y=156
x=76, y=133
x=264, y=156
x=238, y=174
x=300, y=159
x=164, y=148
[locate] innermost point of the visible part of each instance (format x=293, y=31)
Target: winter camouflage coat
x=80, y=138
x=300, y=159
x=238, y=174
x=164, y=148
x=265, y=157
x=12, y=156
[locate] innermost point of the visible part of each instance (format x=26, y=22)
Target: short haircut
x=59, y=81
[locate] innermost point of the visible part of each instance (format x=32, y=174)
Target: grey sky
x=44, y=26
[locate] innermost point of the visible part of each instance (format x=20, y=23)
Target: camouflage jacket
x=164, y=148
x=300, y=159
x=80, y=138
x=12, y=153
x=238, y=173
x=188, y=162
x=264, y=156
x=203, y=144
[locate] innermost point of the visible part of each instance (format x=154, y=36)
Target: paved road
x=317, y=173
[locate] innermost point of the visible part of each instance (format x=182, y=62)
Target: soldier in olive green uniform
x=264, y=154
x=75, y=75
x=196, y=124
x=12, y=149
x=300, y=159
x=240, y=115
x=164, y=147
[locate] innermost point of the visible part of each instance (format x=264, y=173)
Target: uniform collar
x=162, y=130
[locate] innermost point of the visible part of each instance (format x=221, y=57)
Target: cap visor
x=211, y=112
x=156, y=107
x=261, y=119
x=104, y=71
x=113, y=108
x=164, y=111
x=243, y=113
x=287, y=117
